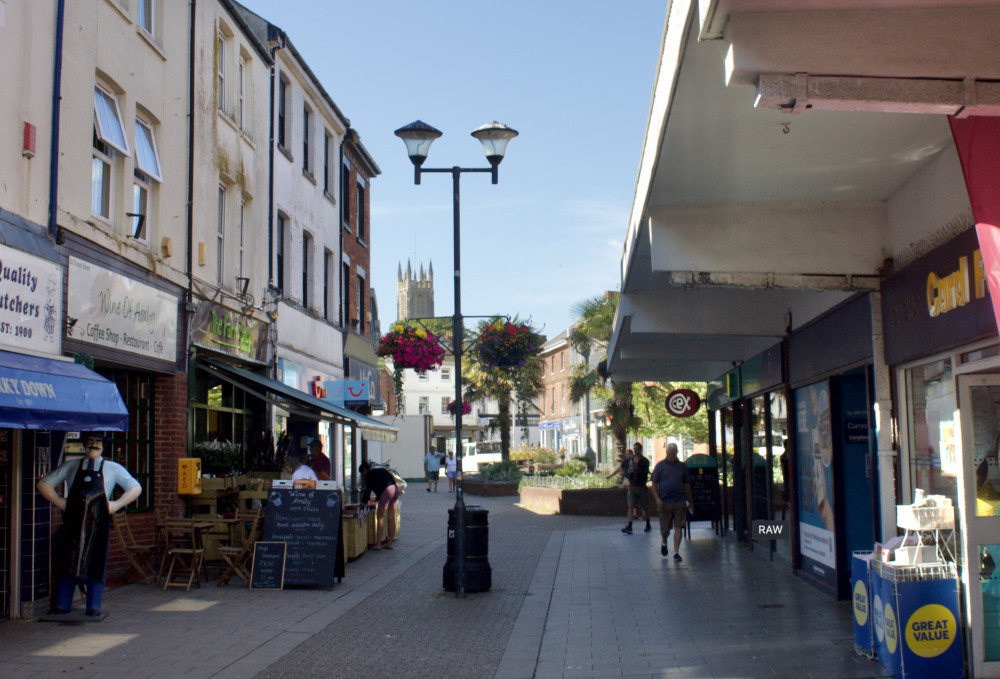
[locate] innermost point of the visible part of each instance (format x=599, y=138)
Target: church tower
x=414, y=292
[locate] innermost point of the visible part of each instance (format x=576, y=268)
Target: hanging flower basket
x=466, y=407
x=409, y=347
x=505, y=345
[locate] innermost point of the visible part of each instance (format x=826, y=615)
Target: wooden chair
x=239, y=556
x=160, y=519
x=185, y=553
x=139, y=554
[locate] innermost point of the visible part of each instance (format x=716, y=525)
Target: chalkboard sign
x=268, y=570
x=308, y=520
x=704, y=474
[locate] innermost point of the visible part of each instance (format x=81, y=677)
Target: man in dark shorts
x=638, y=494
x=672, y=488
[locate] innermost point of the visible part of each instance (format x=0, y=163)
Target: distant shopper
x=637, y=499
x=318, y=460
x=378, y=480
x=80, y=545
x=299, y=471
x=451, y=470
x=622, y=468
x=672, y=487
x=432, y=468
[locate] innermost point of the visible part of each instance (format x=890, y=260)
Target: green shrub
x=576, y=467
x=585, y=480
x=502, y=471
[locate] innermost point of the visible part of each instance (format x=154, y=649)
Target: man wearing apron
x=80, y=545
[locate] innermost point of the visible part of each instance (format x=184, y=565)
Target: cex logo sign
x=682, y=403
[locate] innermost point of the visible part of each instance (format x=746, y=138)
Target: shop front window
x=934, y=465
x=224, y=412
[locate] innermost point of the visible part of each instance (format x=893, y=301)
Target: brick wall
x=584, y=502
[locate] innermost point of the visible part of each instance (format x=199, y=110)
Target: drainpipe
x=275, y=41
x=189, y=302
x=56, y=110
x=883, y=426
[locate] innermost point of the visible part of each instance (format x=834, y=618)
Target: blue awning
x=43, y=393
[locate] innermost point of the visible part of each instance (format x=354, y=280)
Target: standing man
x=637, y=499
x=673, y=497
x=318, y=460
x=432, y=468
x=80, y=546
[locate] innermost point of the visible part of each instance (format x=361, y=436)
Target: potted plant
x=218, y=459
x=466, y=407
x=503, y=344
x=409, y=347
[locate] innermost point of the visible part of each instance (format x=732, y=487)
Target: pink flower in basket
x=466, y=407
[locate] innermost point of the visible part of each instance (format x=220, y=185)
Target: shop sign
x=110, y=310
x=548, y=425
x=222, y=330
x=30, y=308
x=937, y=302
x=682, y=403
x=348, y=393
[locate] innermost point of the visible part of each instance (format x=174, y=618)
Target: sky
x=573, y=77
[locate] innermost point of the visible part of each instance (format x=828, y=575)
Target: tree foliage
x=650, y=401
x=511, y=387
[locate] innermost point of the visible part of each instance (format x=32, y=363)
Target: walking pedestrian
x=432, y=468
x=637, y=499
x=672, y=486
x=80, y=545
x=451, y=470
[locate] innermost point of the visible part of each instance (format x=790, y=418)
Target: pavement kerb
x=521, y=655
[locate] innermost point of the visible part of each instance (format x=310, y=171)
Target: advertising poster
x=814, y=451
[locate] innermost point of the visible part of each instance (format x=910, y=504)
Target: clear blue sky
x=575, y=78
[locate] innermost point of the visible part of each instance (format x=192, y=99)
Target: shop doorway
x=979, y=502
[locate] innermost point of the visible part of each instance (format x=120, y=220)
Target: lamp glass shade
x=494, y=137
x=418, y=137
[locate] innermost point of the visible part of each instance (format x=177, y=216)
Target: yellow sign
x=931, y=630
x=860, y=603
x=948, y=292
x=189, y=476
x=891, y=631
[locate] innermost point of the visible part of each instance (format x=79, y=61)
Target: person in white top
x=451, y=469
x=294, y=466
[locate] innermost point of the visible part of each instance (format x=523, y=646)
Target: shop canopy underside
x=298, y=402
x=46, y=393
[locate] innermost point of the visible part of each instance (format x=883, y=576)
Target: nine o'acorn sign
x=682, y=403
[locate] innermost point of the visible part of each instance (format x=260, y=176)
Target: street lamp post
x=494, y=137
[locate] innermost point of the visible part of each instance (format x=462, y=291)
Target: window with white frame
x=220, y=250
x=328, y=269
x=307, y=250
x=362, y=286
x=327, y=168
x=147, y=157
x=423, y=405
x=422, y=377
x=444, y=405
x=147, y=16
x=243, y=233
x=279, y=251
x=220, y=67
x=306, y=122
x=284, y=92
x=241, y=83
x=146, y=172
x=361, y=209
x=345, y=194
x=109, y=142
x=446, y=374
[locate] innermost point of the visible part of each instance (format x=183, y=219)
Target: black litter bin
x=478, y=574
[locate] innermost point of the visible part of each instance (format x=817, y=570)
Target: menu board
x=308, y=521
x=703, y=472
x=268, y=570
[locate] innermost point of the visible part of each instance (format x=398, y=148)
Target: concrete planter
x=490, y=489
x=583, y=502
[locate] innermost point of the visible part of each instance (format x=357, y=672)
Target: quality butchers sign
x=110, y=310
x=682, y=403
x=30, y=307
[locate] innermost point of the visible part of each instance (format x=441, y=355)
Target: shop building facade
x=821, y=247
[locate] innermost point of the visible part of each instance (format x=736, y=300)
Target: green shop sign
x=231, y=333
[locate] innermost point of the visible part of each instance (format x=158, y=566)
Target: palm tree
x=593, y=329
x=506, y=385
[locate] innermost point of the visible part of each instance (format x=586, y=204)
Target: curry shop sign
x=937, y=301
